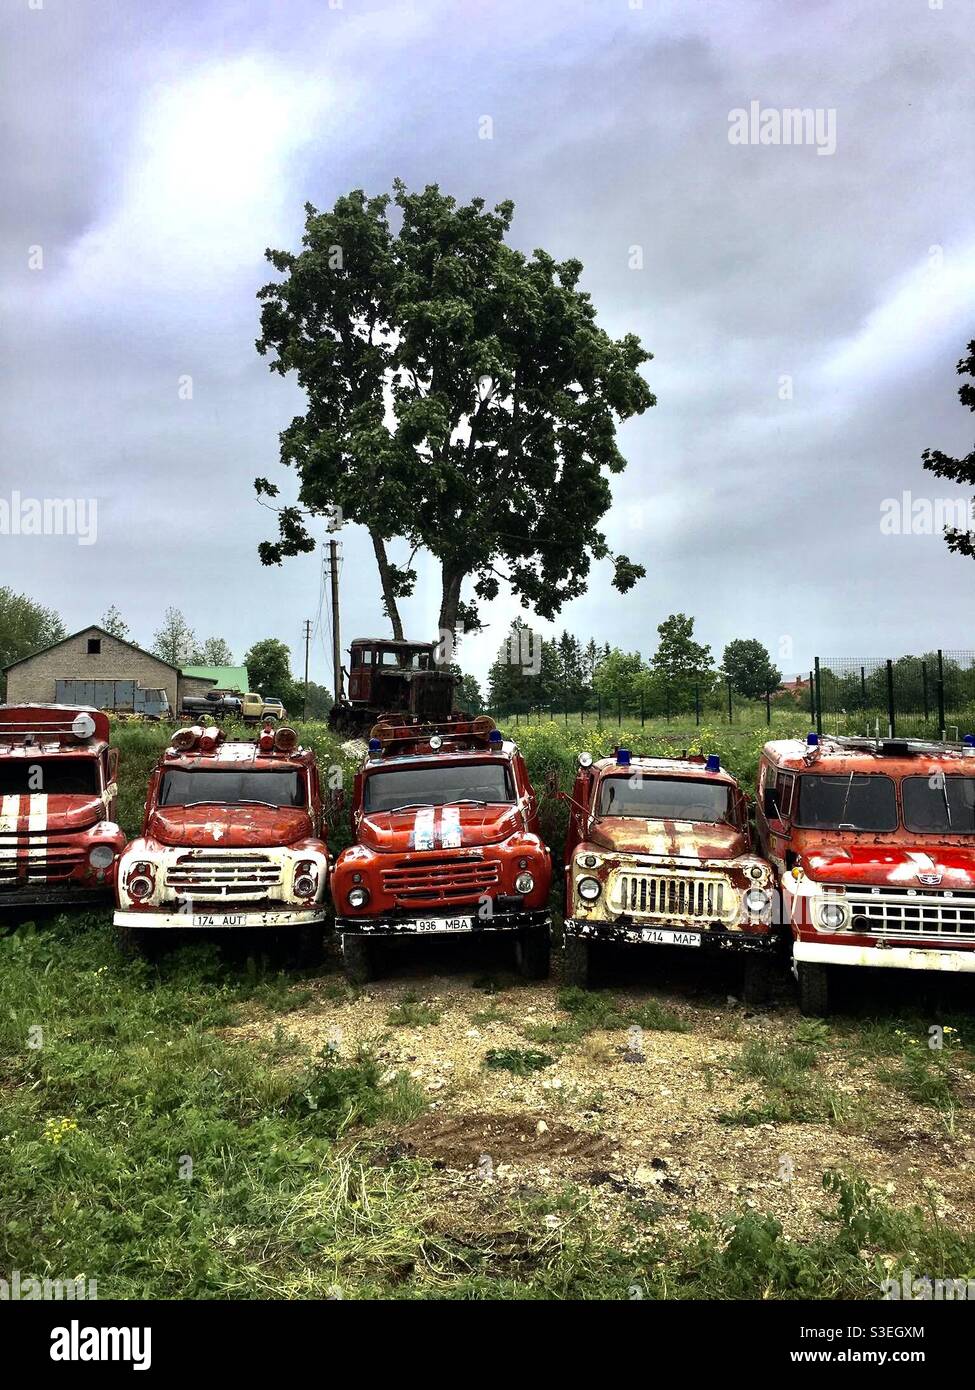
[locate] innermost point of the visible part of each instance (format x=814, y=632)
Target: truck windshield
x=50, y=777
x=847, y=801
x=409, y=787
x=664, y=798
x=939, y=803
x=230, y=788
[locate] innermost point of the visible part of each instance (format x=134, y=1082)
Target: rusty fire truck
x=396, y=681
x=658, y=852
x=231, y=839
x=447, y=842
x=874, y=843
x=59, y=843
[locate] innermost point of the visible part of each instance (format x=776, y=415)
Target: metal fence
x=930, y=696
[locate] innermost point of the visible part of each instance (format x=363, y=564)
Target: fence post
x=818, y=698
x=643, y=713
x=768, y=707
x=599, y=712
x=890, y=697
x=697, y=703
x=729, y=700
x=863, y=687
x=924, y=688
x=941, y=694
x=812, y=698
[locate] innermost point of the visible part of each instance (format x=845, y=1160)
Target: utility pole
x=333, y=565
x=304, y=712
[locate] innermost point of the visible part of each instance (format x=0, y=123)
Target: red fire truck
x=59, y=843
x=231, y=839
x=874, y=844
x=659, y=853
x=447, y=842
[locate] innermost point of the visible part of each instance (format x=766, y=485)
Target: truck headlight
x=100, y=856
x=756, y=900
x=358, y=897
x=524, y=883
x=833, y=915
x=589, y=889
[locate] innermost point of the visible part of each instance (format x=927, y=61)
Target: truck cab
x=59, y=843
x=447, y=843
x=393, y=680
x=873, y=841
x=231, y=838
x=658, y=853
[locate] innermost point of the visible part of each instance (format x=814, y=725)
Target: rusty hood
x=671, y=839
x=38, y=813
x=438, y=827
x=229, y=827
x=893, y=866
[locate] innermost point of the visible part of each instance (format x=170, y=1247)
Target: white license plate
x=656, y=937
x=444, y=924
x=219, y=919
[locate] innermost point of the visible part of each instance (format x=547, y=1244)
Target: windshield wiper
x=466, y=801
x=843, y=820
x=410, y=806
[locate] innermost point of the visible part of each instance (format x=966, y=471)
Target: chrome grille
x=666, y=896
x=931, y=915
x=36, y=859
x=208, y=876
x=440, y=880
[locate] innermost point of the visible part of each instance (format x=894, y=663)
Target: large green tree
x=750, y=667
x=25, y=626
x=959, y=470
x=175, y=641
x=680, y=662
x=460, y=396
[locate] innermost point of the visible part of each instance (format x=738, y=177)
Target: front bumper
x=54, y=895
x=152, y=920
x=625, y=931
x=885, y=957
x=443, y=924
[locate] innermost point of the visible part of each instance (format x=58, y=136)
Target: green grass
x=520, y=1061
x=412, y=1012
x=590, y=1010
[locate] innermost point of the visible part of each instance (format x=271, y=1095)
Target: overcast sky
x=154, y=148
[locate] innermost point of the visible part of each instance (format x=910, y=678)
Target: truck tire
x=306, y=946
x=532, y=953
x=813, y=989
x=577, y=971
x=756, y=988
x=139, y=944
x=359, y=959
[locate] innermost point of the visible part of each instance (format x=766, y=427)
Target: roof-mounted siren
x=496, y=739
x=623, y=757
x=375, y=747
x=713, y=763
x=185, y=739
x=968, y=746
x=812, y=740
x=83, y=726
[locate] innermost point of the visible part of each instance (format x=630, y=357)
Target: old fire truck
x=658, y=852
x=874, y=843
x=396, y=681
x=231, y=839
x=59, y=843
x=447, y=842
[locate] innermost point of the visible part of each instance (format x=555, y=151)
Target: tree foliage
x=175, y=641
x=750, y=667
x=460, y=395
x=959, y=470
x=25, y=627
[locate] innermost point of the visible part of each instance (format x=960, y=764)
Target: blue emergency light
x=496, y=737
x=623, y=757
x=713, y=763
x=375, y=746
x=812, y=740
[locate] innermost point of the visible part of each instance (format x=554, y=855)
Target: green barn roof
x=225, y=677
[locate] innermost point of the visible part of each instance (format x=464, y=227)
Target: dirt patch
x=471, y=1140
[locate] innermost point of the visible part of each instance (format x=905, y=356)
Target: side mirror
x=113, y=764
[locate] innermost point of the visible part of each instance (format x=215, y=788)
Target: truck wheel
x=306, y=946
x=577, y=968
x=138, y=944
x=813, y=989
x=359, y=957
x=756, y=987
x=532, y=952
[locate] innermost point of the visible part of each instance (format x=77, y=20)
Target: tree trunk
x=389, y=597
x=450, y=602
